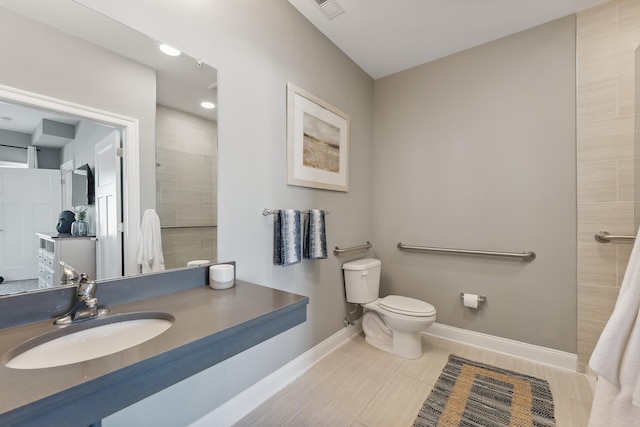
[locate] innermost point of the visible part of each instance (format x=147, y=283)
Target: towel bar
x=528, y=256
x=605, y=237
x=337, y=250
x=267, y=212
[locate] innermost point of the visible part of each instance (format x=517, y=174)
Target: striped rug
x=470, y=394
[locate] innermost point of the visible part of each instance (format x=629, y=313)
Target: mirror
x=153, y=116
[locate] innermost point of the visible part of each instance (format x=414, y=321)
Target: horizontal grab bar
x=529, y=255
x=605, y=237
x=337, y=250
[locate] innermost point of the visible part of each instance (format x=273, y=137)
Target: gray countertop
x=210, y=326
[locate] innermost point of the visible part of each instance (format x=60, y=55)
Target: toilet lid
x=406, y=305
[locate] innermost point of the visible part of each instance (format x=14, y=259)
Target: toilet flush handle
x=365, y=273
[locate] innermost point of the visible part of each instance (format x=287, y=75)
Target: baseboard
x=592, y=378
x=547, y=356
x=241, y=405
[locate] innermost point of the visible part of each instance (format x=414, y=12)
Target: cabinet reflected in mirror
x=177, y=159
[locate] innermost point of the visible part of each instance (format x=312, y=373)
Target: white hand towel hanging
x=615, y=359
x=150, y=255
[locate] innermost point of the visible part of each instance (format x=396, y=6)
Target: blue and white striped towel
x=315, y=237
x=286, y=238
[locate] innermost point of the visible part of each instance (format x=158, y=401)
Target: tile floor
x=359, y=386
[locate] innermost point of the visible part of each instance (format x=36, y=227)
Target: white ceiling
x=387, y=36
x=20, y=118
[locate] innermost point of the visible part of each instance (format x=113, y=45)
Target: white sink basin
x=88, y=340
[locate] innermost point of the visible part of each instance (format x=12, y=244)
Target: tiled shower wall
x=607, y=36
x=186, y=174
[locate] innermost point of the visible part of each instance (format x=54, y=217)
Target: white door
x=29, y=203
x=108, y=211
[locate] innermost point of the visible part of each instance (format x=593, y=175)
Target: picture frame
x=317, y=142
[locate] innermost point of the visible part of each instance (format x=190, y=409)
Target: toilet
x=392, y=323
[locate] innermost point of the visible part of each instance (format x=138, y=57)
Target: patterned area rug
x=469, y=394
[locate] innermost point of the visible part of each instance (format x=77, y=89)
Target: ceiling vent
x=330, y=8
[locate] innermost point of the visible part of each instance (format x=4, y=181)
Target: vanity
x=208, y=327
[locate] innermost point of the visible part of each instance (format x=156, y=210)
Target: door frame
x=131, y=159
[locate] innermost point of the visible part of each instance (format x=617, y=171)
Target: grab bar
x=605, y=237
x=337, y=250
x=528, y=256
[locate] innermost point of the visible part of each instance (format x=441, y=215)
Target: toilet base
x=404, y=344
x=409, y=349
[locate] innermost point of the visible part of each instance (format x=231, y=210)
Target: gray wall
x=51, y=63
x=477, y=150
x=48, y=158
x=481, y=145
x=258, y=47
x=17, y=139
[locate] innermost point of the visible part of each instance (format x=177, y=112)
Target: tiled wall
x=607, y=36
x=187, y=158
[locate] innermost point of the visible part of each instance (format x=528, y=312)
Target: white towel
x=615, y=358
x=32, y=157
x=150, y=246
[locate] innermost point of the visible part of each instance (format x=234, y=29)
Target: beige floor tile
x=278, y=411
x=572, y=398
x=360, y=386
x=397, y=403
x=426, y=369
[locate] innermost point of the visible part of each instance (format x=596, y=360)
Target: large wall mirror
x=130, y=114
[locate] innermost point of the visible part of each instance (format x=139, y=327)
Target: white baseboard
x=592, y=378
x=547, y=356
x=242, y=404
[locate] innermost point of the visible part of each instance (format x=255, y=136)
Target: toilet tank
x=362, y=280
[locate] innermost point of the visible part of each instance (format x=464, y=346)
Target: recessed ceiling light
x=168, y=50
x=208, y=105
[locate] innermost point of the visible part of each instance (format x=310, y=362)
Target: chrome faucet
x=70, y=275
x=86, y=304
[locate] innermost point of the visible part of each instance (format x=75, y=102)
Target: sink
x=88, y=340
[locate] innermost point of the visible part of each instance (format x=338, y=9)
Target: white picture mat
x=299, y=103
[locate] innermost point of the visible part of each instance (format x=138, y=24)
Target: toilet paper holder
x=481, y=298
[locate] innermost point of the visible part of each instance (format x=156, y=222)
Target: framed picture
x=317, y=142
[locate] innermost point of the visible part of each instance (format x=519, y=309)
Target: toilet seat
x=406, y=306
